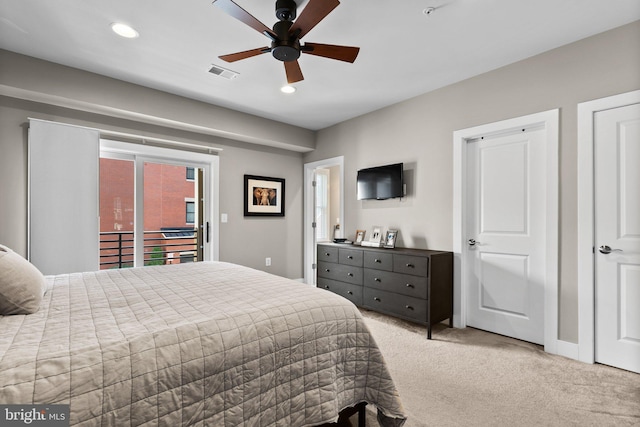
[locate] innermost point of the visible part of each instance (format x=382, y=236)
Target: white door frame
x=550, y=121
x=309, y=210
x=586, y=218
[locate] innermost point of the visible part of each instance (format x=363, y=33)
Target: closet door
x=63, y=197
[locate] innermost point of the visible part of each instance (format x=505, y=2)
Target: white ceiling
x=404, y=52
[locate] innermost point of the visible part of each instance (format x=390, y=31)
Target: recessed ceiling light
x=288, y=89
x=124, y=30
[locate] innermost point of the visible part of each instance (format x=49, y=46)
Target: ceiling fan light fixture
x=124, y=30
x=287, y=89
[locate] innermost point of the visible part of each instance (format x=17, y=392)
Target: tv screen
x=381, y=182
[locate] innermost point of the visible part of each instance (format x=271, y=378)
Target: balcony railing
x=165, y=246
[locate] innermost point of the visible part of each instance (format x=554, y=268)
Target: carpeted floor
x=468, y=377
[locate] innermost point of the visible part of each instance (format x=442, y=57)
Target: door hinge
x=314, y=266
x=313, y=224
x=313, y=183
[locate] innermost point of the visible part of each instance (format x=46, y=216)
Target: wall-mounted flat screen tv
x=380, y=182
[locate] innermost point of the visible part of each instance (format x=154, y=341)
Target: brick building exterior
x=169, y=212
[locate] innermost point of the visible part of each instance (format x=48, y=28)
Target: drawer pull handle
x=326, y=286
x=376, y=279
x=376, y=299
x=327, y=254
x=350, y=293
x=350, y=274
x=411, y=265
x=349, y=257
x=408, y=307
x=377, y=260
x=327, y=270
x=409, y=285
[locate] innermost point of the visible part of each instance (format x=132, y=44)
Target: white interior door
x=506, y=229
x=617, y=236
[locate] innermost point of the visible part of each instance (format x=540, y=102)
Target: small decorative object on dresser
x=375, y=238
x=390, y=240
x=412, y=284
x=359, y=236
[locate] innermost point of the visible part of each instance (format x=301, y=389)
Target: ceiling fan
x=286, y=34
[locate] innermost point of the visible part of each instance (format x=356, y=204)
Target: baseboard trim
x=568, y=349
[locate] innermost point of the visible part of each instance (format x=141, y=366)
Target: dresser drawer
x=413, y=286
x=327, y=253
x=340, y=272
x=351, y=292
x=407, y=264
x=350, y=257
x=395, y=304
x=378, y=260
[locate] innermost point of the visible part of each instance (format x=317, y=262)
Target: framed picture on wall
x=390, y=239
x=263, y=196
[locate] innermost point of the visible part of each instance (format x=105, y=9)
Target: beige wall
x=37, y=80
x=419, y=132
x=246, y=241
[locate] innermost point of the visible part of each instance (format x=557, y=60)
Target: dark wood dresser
x=412, y=284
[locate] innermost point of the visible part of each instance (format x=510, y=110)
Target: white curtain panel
x=63, y=197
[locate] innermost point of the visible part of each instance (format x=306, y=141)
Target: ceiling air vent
x=223, y=72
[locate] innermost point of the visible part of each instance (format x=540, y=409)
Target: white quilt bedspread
x=204, y=344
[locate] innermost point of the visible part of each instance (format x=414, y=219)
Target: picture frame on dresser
x=263, y=196
x=359, y=236
x=390, y=239
x=376, y=235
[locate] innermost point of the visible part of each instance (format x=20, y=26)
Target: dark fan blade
x=341, y=53
x=294, y=73
x=233, y=57
x=314, y=12
x=242, y=15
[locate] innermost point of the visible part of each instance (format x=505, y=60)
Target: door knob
x=472, y=242
x=604, y=249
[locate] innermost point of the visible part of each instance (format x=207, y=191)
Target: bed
x=204, y=344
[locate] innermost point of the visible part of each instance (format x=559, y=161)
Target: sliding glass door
x=155, y=207
x=171, y=223
x=117, y=212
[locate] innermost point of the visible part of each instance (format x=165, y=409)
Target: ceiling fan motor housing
x=286, y=47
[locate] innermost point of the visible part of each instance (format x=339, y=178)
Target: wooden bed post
x=362, y=414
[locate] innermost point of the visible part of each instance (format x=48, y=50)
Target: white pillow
x=22, y=285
